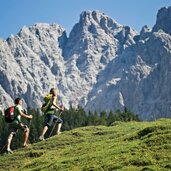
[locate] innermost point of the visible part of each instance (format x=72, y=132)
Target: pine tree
x=90, y=119
x=110, y=118
x=103, y=118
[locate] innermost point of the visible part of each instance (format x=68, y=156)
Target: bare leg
x=26, y=135
x=43, y=133
x=9, y=142
x=59, y=128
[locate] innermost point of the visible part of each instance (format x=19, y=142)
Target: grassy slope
x=123, y=146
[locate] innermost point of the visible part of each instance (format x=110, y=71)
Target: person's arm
x=24, y=115
x=54, y=104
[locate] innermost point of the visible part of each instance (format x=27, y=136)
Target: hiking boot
x=9, y=151
x=41, y=138
x=58, y=133
x=26, y=145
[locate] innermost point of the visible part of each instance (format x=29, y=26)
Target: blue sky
x=17, y=13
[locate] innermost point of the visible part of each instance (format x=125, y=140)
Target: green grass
x=139, y=146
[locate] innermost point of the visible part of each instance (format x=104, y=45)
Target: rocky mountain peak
x=102, y=65
x=42, y=31
x=163, y=20
x=145, y=29
x=98, y=18
x=97, y=29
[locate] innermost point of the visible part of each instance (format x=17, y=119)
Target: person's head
x=18, y=101
x=53, y=91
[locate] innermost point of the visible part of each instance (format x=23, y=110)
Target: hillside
x=122, y=146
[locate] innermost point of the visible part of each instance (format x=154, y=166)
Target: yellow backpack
x=47, y=102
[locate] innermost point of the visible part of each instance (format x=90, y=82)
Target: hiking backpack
x=46, y=104
x=9, y=114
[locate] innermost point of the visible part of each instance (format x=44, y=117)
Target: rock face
x=163, y=20
x=102, y=65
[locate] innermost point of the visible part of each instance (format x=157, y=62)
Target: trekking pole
x=3, y=148
x=29, y=123
x=55, y=124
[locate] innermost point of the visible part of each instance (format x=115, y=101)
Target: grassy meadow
x=139, y=146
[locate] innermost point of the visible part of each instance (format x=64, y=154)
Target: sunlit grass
x=123, y=146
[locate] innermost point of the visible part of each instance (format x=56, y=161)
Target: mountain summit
x=102, y=65
x=163, y=20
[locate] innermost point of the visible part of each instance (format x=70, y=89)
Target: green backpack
x=47, y=102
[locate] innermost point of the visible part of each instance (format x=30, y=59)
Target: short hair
x=16, y=101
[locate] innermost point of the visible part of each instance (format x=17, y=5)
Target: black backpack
x=9, y=114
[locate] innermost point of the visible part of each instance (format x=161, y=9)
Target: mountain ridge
x=101, y=65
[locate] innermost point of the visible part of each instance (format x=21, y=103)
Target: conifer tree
x=103, y=118
x=110, y=118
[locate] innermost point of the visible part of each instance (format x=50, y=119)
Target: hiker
x=50, y=112
x=17, y=124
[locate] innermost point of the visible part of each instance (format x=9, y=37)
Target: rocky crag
x=101, y=65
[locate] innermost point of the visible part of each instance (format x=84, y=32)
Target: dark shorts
x=50, y=118
x=13, y=127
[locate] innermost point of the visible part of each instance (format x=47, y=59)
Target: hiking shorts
x=50, y=118
x=13, y=128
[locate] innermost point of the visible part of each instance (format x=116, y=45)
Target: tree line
x=73, y=118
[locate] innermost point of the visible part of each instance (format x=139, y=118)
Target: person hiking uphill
x=17, y=124
x=50, y=112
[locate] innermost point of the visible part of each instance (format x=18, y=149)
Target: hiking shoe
x=9, y=151
x=58, y=133
x=26, y=145
x=41, y=138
